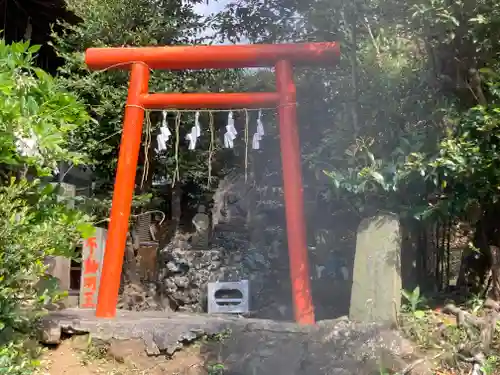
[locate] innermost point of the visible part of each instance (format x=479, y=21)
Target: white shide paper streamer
x=164, y=135
x=257, y=137
x=195, y=133
x=231, y=132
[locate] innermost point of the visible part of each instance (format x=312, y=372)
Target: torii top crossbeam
x=139, y=61
x=214, y=57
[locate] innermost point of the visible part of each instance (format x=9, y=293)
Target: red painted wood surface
x=214, y=57
x=211, y=101
x=122, y=194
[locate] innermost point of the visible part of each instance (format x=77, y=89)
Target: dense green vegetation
x=34, y=223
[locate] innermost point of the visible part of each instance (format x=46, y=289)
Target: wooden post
x=294, y=191
x=124, y=189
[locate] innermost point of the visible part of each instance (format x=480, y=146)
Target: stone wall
x=185, y=272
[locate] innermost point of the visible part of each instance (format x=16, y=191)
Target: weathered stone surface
x=376, y=286
x=250, y=346
x=59, y=267
x=201, y=223
x=146, y=261
x=140, y=297
x=50, y=332
x=185, y=272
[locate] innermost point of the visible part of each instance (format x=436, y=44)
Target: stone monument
x=60, y=267
x=376, y=286
x=201, y=223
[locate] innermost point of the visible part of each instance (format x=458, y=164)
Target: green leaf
x=48, y=189
x=406, y=295
x=416, y=292
x=419, y=314
x=487, y=71
x=41, y=74
x=86, y=230
x=35, y=48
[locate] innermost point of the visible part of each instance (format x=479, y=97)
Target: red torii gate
x=140, y=60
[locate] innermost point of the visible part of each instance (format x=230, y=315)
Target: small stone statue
x=201, y=223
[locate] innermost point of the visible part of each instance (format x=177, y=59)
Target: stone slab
x=59, y=267
x=67, y=193
x=250, y=346
x=376, y=286
x=147, y=261
x=92, y=260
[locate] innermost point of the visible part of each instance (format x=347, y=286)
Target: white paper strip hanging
x=164, y=135
x=230, y=124
x=192, y=138
x=229, y=140
x=257, y=137
x=195, y=133
x=162, y=144
x=197, y=124
x=231, y=132
x=260, y=125
x=256, y=142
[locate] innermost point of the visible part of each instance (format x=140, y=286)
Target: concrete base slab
x=248, y=346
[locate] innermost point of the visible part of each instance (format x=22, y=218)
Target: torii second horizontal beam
x=210, y=100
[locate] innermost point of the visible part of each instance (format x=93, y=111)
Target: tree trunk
x=476, y=263
x=494, y=292
x=491, y=305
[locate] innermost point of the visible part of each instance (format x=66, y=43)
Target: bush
x=33, y=225
x=37, y=120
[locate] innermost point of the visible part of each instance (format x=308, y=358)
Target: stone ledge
x=250, y=346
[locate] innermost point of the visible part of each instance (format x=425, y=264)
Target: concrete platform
x=249, y=346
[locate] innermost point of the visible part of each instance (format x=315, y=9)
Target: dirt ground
x=78, y=356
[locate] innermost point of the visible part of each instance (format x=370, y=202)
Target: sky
x=212, y=7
